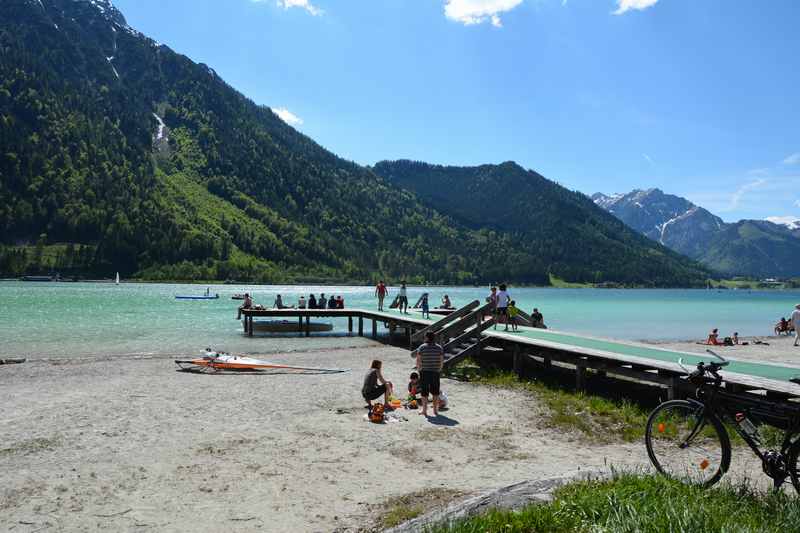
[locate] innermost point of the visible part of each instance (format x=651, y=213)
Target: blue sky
x=697, y=97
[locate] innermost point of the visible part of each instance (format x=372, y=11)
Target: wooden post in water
x=300, y=323
x=408, y=336
x=249, y=320
x=350, y=324
x=374, y=328
x=361, y=326
x=308, y=326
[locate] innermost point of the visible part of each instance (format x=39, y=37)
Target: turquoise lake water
x=90, y=319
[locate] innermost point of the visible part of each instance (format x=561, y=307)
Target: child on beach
x=413, y=385
x=512, y=315
x=426, y=312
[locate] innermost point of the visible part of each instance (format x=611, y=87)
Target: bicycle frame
x=725, y=406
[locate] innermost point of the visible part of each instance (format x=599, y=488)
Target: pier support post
x=580, y=376
x=308, y=326
x=674, y=388
x=249, y=321
x=361, y=326
x=547, y=361
x=408, y=337
x=350, y=324
x=300, y=323
x=374, y=329
x=517, y=361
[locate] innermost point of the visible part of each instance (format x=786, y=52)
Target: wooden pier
x=468, y=331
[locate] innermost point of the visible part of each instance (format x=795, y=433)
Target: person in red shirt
x=380, y=292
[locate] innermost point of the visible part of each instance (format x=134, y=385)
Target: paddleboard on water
x=210, y=297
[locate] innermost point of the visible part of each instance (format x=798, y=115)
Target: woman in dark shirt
x=375, y=385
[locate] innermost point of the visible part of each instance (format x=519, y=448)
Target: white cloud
x=738, y=194
x=469, y=12
x=288, y=117
x=303, y=4
x=793, y=159
x=626, y=5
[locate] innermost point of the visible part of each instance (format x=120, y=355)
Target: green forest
x=230, y=192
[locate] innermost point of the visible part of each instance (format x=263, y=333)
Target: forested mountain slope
x=564, y=230
x=118, y=154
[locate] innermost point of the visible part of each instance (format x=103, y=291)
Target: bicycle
x=686, y=439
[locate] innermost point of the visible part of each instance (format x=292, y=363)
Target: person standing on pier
x=247, y=304
x=796, y=324
x=502, y=305
x=380, y=292
x=402, y=303
x=430, y=360
x=426, y=311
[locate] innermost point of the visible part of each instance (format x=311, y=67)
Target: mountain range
x=754, y=248
x=119, y=154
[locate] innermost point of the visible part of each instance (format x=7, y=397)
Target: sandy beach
x=132, y=444
x=777, y=350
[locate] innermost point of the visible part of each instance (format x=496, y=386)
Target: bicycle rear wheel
x=686, y=443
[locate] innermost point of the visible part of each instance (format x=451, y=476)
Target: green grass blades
x=645, y=504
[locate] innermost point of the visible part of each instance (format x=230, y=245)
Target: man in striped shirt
x=430, y=359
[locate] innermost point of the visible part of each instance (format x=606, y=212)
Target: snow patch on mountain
x=793, y=223
x=663, y=229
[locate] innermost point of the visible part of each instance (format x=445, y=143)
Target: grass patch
x=600, y=419
x=401, y=509
x=563, y=284
x=30, y=446
x=644, y=504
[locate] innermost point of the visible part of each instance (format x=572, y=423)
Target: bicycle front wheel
x=686, y=443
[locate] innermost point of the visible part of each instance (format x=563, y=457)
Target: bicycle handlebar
x=703, y=367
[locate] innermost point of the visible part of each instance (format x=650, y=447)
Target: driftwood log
x=511, y=497
x=11, y=361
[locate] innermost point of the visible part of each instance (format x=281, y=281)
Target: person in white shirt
x=301, y=303
x=796, y=324
x=502, y=305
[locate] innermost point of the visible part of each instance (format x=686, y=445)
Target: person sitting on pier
x=301, y=303
x=713, y=338
x=247, y=304
x=375, y=385
x=322, y=303
x=312, y=302
x=537, y=319
x=446, y=302
x=332, y=303
x=339, y=302
x=278, y=302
